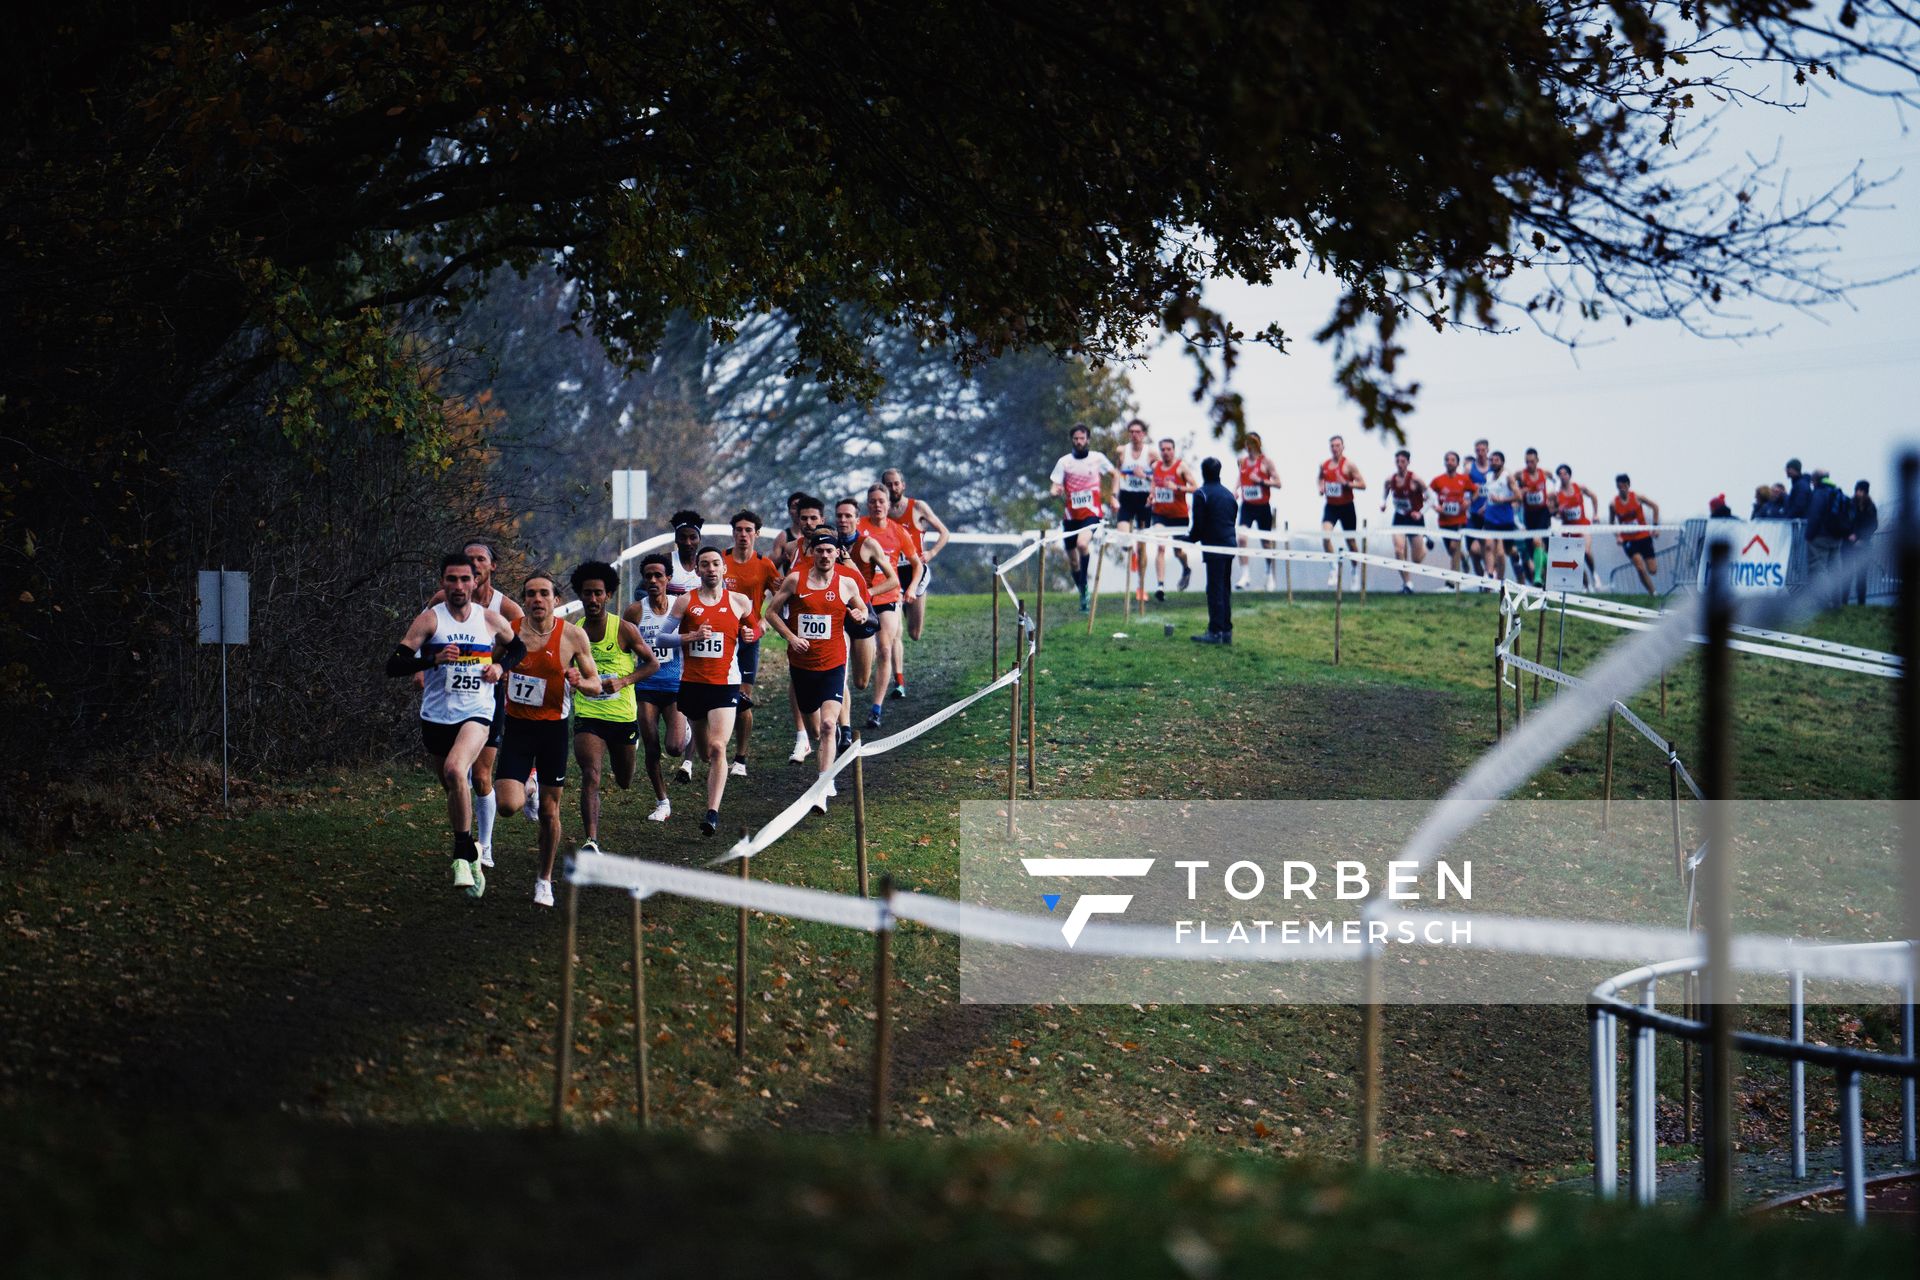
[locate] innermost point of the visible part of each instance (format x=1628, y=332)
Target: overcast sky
x=1687, y=417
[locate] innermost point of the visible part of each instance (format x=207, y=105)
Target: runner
x=918, y=519
x=897, y=546
x=1408, y=494
x=809, y=515
x=539, y=700
x=1172, y=480
x=1075, y=479
x=1132, y=491
x=1258, y=480
x=860, y=638
x=752, y=575
x=1571, y=501
x=485, y=594
x=1338, y=481
x=866, y=559
x=1479, y=470
x=686, y=546
x=657, y=696
x=463, y=650
x=606, y=724
x=789, y=544
x=1499, y=514
x=709, y=620
x=1535, y=511
x=1452, y=492
x=1628, y=507
x=810, y=609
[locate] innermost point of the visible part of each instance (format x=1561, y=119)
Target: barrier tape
x=1872, y=666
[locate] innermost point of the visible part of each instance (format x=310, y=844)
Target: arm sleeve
x=509, y=656
x=404, y=662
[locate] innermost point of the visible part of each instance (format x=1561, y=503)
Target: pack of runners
x=510, y=690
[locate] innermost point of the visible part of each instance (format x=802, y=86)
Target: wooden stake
x=1606, y=784
x=1539, y=640
x=1013, y=743
x=1363, y=563
x=1519, y=708
x=1040, y=595
x=860, y=818
x=740, y=972
x=563, y=1050
x=1284, y=528
x=1339, y=595
x=1370, y=1019
x=882, y=1023
x=1499, y=694
x=640, y=1015
x=993, y=585
x=1099, y=563
x=1031, y=681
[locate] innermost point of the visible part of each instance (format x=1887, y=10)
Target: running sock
x=483, y=811
x=464, y=847
x=1080, y=575
x=900, y=679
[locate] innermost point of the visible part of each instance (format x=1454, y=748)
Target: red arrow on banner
x=1756, y=538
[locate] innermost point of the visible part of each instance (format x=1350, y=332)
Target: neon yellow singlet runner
x=611, y=660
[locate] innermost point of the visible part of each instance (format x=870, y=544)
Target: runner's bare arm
x=633, y=642
x=776, y=613
x=1653, y=508
x=1354, y=479
x=876, y=557
x=850, y=596
x=939, y=526
x=576, y=654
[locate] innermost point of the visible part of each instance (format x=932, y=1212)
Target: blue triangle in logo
x=1051, y=899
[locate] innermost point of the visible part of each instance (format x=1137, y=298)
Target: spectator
x=1829, y=524
x=1866, y=523
x=1799, y=497
x=1717, y=508
x=1762, y=502
x=1214, y=509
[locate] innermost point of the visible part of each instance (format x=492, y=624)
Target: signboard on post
x=224, y=596
x=1762, y=550
x=1566, y=554
x=629, y=495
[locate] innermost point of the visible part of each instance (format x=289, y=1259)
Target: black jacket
x=1799, y=501
x=1214, y=510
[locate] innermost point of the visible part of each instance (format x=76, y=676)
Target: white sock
x=483, y=808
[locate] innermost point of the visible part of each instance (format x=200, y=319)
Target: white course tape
x=818, y=905
x=1646, y=731
x=1877, y=665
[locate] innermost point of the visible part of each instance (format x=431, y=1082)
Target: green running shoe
x=479, y=885
x=462, y=874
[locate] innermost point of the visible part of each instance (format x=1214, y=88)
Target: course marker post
x=1370, y=1063
x=882, y=1024
x=1040, y=593
x=1716, y=713
x=1499, y=694
x=1363, y=563
x=1097, y=551
x=640, y=1014
x=1539, y=640
x=1033, y=658
x=1673, y=787
x=740, y=969
x=993, y=589
x=1519, y=707
x=1606, y=781
x=563, y=1048
x=1339, y=594
x=1286, y=545
x=860, y=817
x=1013, y=741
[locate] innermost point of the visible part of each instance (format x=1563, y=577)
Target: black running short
x=698, y=699
x=1641, y=546
x=1340, y=513
x=1409, y=521
x=813, y=689
x=1256, y=517
x=615, y=733
x=1136, y=509
x=905, y=570
x=664, y=699
x=499, y=725
x=746, y=655
x=532, y=746
x=1171, y=522
x=1538, y=517
x=438, y=738
x=1073, y=523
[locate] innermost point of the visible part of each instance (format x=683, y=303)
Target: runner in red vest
x=752, y=575
x=1258, y=480
x=709, y=620
x=898, y=548
x=1452, y=499
x=1407, y=493
x=1570, y=502
x=879, y=580
x=539, y=701
x=1536, y=510
x=1172, y=480
x=1337, y=481
x=918, y=519
x=810, y=609
x=1629, y=507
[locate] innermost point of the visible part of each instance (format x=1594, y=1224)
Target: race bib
x=714, y=646
x=652, y=636
x=1449, y=508
x=1081, y=499
x=1536, y=497
x=1336, y=489
x=528, y=691
x=1401, y=506
x=816, y=626
x=1134, y=482
x=1254, y=493
x=1162, y=495
x=463, y=677
x=603, y=695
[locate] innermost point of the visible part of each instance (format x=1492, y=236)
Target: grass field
x=308, y=959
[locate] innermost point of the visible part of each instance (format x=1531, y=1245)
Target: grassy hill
x=307, y=957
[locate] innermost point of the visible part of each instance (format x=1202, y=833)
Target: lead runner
x=1075, y=479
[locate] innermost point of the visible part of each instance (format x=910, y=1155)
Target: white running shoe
x=833, y=788
x=820, y=804
x=686, y=769
x=661, y=812
x=589, y=846
x=486, y=855
x=738, y=769
x=1243, y=582
x=1333, y=576
x=802, y=748
x=543, y=893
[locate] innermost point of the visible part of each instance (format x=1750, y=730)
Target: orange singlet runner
x=1169, y=500
x=1572, y=503
x=537, y=689
x=891, y=539
x=710, y=661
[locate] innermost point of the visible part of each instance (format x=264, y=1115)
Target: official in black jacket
x=1214, y=509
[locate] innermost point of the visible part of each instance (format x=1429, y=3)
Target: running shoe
x=531, y=809
x=738, y=769
x=588, y=846
x=1086, y=596
x=486, y=855
x=843, y=737
x=1186, y=576
x=1160, y=594
x=899, y=690
x=479, y=885
x=711, y=823
x=1333, y=576
x=873, y=719
x=1406, y=588
x=801, y=749
x=1242, y=583
x=833, y=788
x=661, y=812
x=462, y=874
x=686, y=769
x=543, y=893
